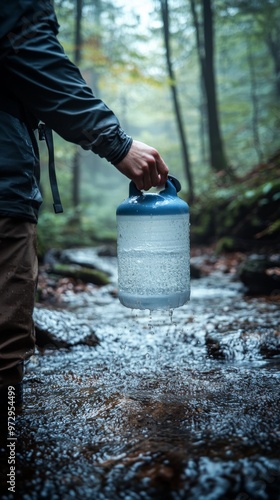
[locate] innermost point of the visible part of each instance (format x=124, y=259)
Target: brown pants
x=18, y=279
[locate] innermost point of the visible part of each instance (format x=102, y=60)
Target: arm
x=50, y=87
x=39, y=73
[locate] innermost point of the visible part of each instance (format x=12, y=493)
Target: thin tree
x=205, y=46
x=172, y=83
x=254, y=101
x=272, y=40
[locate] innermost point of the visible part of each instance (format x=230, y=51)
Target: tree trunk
x=254, y=100
x=274, y=49
x=205, y=48
x=203, y=125
x=173, y=88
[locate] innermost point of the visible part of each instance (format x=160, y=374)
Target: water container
x=153, y=249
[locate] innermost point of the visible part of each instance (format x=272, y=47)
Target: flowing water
x=179, y=404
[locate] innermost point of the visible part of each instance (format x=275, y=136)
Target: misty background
x=198, y=80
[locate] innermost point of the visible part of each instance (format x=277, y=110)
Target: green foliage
x=244, y=215
x=225, y=244
x=56, y=231
x=66, y=231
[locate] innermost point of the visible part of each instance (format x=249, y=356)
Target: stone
x=61, y=329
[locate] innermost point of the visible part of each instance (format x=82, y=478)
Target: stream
x=179, y=404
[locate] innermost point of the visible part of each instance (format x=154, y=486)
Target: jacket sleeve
x=51, y=87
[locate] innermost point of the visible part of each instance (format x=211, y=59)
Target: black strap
x=45, y=133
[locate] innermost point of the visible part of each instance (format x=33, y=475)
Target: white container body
x=153, y=261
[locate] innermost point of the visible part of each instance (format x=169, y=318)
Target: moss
x=225, y=244
x=247, y=210
x=82, y=273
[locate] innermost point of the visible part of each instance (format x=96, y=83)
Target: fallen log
x=85, y=274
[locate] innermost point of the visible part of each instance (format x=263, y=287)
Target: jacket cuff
x=115, y=148
x=120, y=147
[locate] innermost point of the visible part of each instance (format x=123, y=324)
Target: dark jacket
x=38, y=82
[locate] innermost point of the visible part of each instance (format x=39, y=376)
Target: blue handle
x=172, y=187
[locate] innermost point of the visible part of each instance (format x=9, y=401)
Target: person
x=40, y=84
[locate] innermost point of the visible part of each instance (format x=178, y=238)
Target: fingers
x=163, y=172
x=144, y=166
x=154, y=175
x=154, y=171
x=158, y=173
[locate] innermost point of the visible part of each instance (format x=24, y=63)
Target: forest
x=200, y=81
x=128, y=403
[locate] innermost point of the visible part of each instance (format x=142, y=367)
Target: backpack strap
x=13, y=107
x=45, y=133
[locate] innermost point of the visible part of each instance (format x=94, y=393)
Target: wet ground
x=181, y=405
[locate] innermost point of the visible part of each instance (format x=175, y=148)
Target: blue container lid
x=164, y=203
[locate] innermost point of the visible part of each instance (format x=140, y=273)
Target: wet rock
x=195, y=271
x=240, y=346
x=107, y=250
x=270, y=345
x=61, y=329
x=51, y=256
x=261, y=274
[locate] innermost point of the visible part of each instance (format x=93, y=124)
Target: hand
x=144, y=166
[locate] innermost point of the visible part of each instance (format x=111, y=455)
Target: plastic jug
x=153, y=248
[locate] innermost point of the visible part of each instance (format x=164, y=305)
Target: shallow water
x=169, y=405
